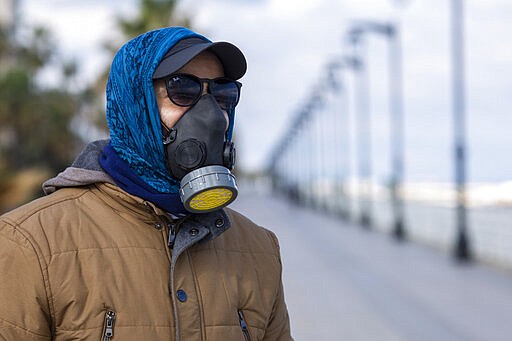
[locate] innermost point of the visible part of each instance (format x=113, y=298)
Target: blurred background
x=390, y=115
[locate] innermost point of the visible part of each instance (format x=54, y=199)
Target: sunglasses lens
x=226, y=93
x=183, y=90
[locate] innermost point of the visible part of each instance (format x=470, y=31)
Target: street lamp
x=341, y=154
x=462, y=251
x=363, y=128
x=391, y=32
x=342, y=63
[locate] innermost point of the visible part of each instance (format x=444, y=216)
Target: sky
x=288, y=44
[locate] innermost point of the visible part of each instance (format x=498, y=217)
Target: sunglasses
x=185, y=90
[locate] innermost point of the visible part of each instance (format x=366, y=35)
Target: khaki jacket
x=95, y=263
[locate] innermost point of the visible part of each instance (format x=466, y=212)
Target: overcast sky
x=287, y=44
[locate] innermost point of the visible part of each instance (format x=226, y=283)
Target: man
x=133, y=242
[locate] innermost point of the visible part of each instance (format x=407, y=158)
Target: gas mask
x=199, y=155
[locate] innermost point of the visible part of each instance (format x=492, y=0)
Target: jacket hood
x=132, y=112
x=85, y=170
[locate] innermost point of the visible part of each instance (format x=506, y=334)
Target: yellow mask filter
x=208, y=189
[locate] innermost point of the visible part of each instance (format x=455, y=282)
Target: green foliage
x=36, y=138
x=152, y=14
x=37, y=52
x=35, y=121
x=4, y=42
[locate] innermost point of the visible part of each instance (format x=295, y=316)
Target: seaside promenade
x=343, y=282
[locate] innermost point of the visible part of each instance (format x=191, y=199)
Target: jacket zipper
x=110, y=318
x=243, y=325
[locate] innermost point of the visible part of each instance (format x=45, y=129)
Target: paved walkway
x=346, y=283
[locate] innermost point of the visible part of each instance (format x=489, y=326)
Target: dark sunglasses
x=185, y=90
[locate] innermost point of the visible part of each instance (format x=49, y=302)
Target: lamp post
x=397, y=129
x=363, y=127
x=320, y=159
x=391, y=32
x=308, y=152
x=462, y=250
x=317, y=158
x=341, y=154
x=352, y=64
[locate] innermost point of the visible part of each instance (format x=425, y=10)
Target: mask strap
x=168, y=135
x=231, y=117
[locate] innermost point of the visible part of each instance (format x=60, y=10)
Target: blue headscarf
x=132, y=112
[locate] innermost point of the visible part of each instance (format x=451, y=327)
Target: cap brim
x=232, y=59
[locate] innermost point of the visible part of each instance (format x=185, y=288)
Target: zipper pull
x=172, y=235
x=110, y=318
x=243, y=325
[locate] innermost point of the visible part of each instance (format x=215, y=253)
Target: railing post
x=462, y=249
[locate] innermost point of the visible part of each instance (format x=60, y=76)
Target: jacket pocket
x=108, y=325
x=243, y=325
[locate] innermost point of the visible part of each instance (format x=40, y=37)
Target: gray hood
x=85, y=170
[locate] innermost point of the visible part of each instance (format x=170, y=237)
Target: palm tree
x=152, y=14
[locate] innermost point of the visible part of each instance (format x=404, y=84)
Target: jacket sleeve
x=24, y=312
x=278, y=328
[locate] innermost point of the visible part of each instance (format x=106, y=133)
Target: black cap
x=230, y=56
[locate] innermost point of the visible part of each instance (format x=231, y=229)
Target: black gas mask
x=199, y=155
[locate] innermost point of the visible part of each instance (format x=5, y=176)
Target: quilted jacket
x=92, y=262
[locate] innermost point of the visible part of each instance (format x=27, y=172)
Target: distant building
x=8, y=14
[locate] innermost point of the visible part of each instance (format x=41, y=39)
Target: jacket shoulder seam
x=20, y=219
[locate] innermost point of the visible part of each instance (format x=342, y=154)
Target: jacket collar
x=201, y=228
x=190, y=229
x=86, y=171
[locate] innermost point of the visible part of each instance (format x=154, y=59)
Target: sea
x=429, y=212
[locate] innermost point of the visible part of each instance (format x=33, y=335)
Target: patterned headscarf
x=132, y=112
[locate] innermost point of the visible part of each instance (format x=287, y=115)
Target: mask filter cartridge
x=208, y=188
